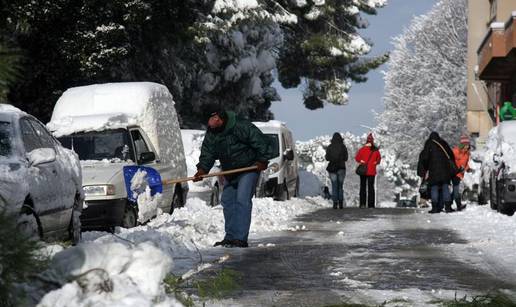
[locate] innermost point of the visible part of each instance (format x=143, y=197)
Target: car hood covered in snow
x=101, y=172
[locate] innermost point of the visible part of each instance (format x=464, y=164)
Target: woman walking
x=337, y=155
x=368, y=157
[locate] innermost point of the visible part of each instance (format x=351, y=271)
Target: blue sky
x=357, y=115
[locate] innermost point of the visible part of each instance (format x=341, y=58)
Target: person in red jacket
x=369, y=155
x=462, y=155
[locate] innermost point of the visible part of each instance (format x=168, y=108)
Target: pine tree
x=323, y=49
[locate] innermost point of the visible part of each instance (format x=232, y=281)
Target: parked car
x=281, y=179
x=40, y=181
x=498, y=170
x=115, y=127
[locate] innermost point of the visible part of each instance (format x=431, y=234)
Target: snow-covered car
x=128, y=139
x=281, y=179
x=498, y=170
x=39, y=179
x=211, y=187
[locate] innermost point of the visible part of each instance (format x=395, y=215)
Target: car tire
x=492, y=199
x=130, y=218
x=29, y=224
x=283, y=192
x=296, y=191
x=176, y=201
x=74, y=228
x=215, y=196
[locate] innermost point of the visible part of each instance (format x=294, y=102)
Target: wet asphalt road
x=345, y=255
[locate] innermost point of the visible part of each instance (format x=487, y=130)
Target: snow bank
x=110, y=274
x=500, y=143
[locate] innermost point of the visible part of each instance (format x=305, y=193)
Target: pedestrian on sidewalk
x=337, y=155
x=462, y=155
x=368, y=157
x=236, y=143
x=436, y=164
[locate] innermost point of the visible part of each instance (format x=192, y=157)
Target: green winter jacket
x=241, y=144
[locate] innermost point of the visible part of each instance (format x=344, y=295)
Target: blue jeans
x=337, y=185
x=440, y=194
x=237, y=205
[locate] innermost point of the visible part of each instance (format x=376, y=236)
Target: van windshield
x=112, y=145
x=6, y=140
x=274, y=143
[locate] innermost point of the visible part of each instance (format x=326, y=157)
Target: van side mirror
x=289, y=154
x=146, y=157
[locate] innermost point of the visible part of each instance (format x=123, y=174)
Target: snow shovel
x=228, y=172
x=156, y=184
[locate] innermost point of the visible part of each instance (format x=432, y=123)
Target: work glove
x=461, y=169
x=198, y=175
x=261, y=166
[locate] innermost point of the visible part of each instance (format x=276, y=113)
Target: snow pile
x=500, y=146
x=147, y=203
x=109, y=274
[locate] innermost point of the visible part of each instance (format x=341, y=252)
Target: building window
x=493, y=6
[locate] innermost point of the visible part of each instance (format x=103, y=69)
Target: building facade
x=491, y=62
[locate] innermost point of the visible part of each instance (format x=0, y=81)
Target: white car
x=281, y=179
x=39, y=179
x=121, y=131
x=498, y=170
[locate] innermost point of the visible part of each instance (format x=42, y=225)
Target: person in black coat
x=434, y=165
x=337, y=155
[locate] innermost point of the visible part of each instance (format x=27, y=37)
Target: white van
x=117, y=128
x=281, y=179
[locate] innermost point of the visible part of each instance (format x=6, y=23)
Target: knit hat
x=213, y=109
x=370, y=138
x=464, y=139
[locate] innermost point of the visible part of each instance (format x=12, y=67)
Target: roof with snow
x=7, y=108
x=507, y=130
x=125, y=97
x=270, y=124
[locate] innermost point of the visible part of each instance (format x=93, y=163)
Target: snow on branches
x=425, y=85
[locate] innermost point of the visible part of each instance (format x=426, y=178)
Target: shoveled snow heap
x=128, y=269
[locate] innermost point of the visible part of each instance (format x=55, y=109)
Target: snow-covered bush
x=18, y=259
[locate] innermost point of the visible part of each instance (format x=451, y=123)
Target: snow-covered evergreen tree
x=323, y=50
x=425, y=85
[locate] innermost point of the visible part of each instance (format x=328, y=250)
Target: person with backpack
x=337, y=155
x=462, y=156
x=437, y=165
x=368, y=158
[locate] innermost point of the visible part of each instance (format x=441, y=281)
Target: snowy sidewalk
x=369, y=256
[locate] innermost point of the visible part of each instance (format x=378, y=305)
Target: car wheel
x=29, y=224
x=492, y=199
x=283, y=193
x=215, y=196
x=296, y=191
x=130, y=218
x=74, y=228
x=176, y=201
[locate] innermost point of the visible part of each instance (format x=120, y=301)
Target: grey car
x=40, y=181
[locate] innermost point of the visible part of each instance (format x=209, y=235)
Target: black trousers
x=370, y=191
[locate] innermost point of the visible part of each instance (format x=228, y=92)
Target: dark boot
x=335, y=204
x=459, y=204
x=341, y=204
x=447, y=207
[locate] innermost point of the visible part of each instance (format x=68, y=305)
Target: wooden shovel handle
x=233, y=171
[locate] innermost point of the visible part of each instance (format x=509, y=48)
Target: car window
x=139, y=143
x=274, y=143
x=29, y=136
x=6, y=139
x=44, y=136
